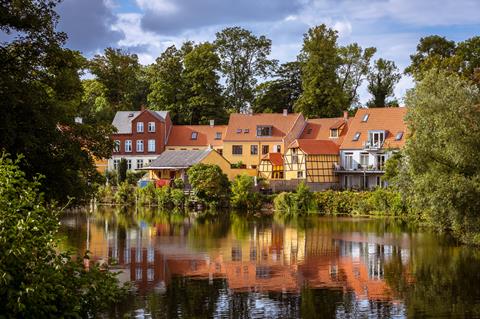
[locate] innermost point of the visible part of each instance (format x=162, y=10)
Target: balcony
x=373, y=145
x=359, y=169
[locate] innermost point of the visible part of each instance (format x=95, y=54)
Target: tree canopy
x=381, y=83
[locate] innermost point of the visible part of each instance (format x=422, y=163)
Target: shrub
x=300, y=202
x=146, y=195
x=177, y=198
x=210, y=184
x=125, y=194
x=111, y=177
x=162, y=195
x=244, y=195
x=105, y=194
x=134, y=176
x=178, y=183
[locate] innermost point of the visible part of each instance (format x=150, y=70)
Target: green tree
x=276, y=95
x=244, y=195
x=442, y=153
x=244, y=57
x=122, y=171
x=381, y=83
x=353, y=69
x=322, y=94
x=36, y=280
x=94, y=107
x=209, y=183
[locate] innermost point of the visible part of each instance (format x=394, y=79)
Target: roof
x=123, y=119
x=275, y=158
x=181, y=135
x=178, y=159
x=319, y=129
x=247, y=123
x=389, y=119
x=316, y=147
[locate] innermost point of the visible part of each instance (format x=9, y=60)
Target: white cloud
x=157, y=6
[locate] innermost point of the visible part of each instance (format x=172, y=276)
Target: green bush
x=134, y=176
x=177, y=198
x=122, y=171
x=300, y=202
x=146, y=195
x=162, y=195
x=178, y=183
x=125, y=194
x=105, y=194
x=210, y=185
x=111, y=177
x=244, y=195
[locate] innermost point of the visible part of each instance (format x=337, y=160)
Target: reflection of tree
x=206, y=232
x=319, y=303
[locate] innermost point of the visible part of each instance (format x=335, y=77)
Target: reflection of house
x=373, y=136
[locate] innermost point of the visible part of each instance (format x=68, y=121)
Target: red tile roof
x=246, y=126
x=316, y=147
x=389, y=119
x=319, y=129
x=181, y=135
x=275, y=158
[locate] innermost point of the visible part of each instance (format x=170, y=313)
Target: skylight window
x=239, y=130
x=194, y=135
x=246, y=130
x=356, y=137
x=365, y=117
x=399, y=136
x=218, y=135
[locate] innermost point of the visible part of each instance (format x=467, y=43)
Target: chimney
x=212, y=123
x=285, y=112
x=345, y=115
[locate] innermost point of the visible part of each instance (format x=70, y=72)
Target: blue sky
x=147, y=27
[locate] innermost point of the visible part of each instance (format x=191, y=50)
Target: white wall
x=133, y=158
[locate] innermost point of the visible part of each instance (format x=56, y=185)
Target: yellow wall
x=178, y=148
x=320, y=168
x=101, y=165
x=269, y=171
x=246, y=158
x=217, y=159
x=291, y=169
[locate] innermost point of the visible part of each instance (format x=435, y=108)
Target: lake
x=234, y=266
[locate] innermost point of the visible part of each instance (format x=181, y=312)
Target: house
x=249, y=137
x=196, y=137
x=373, y=136
x=141, y=136
x=271, y=166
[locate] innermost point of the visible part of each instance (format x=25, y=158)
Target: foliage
x=125, y=194
x=381, y=83
x=178, y=197
x=244, y=195
x=122, y=170
x=134, y=176
x=209, y=183
x=105, y=194
x=36, y=280
x=322, y=94
x=178, y=183
x=297, y=203
x=94, y=106
x=41, y=92
x=244, y=58
x=392, y=168
x=442, y=154
x=146, y=195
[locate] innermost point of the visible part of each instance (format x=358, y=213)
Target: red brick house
x=141, y=136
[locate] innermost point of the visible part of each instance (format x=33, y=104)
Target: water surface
x=316, y=267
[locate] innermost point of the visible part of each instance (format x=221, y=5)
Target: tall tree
x=120, y=73
x=381, y=83
x=276, y=95
x=353, y=69
x=244, y=57
x=94, y=107
x=322, y=91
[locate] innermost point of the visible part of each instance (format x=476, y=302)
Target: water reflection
x=311, y=268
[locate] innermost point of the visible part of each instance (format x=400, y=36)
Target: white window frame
x=238, y=147
x=348, y=161
x=151, y=146
x=332, y=131
x=139, y=163
x=140, y=128
x=128, y=146
x=116, y=146
x=299, y=174
x=139, y=146
x=116, y=162
x=129, y=164
x=278, y=148
x=151, y=127
x=362, y=161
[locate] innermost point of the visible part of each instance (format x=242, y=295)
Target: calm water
x=269, y=268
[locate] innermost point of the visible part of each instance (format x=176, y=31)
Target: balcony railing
x=360, y=168
x=372, y=145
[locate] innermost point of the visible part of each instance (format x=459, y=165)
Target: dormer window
x=139, y=127
x=365, y=117
x=334, y=133
x=263, y=130
x=399, y=136
x=218, y=135
x=376, y=138
x=194, y=135
x=356, y=137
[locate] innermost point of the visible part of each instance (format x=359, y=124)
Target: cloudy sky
x=147, y=27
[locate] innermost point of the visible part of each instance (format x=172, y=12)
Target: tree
x=244, y=57
x=120, y=73
x=244, y=195
x=354, y=67
x=37, y=280
x=209, y=183
x=442, y=153
x=381, y=83
x=279, y=94
x=41, y=92
x=122, y=171
x=94, y=106
x=322, y=94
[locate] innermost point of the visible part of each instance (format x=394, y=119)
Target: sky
x=148, y=27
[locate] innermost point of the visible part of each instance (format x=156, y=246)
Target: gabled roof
x=123, y=119
x=275, y=158
x=181, y=135
x=247, y=125
x=319, y=129
x=178, y=159
x=388, y=119
x=316, y=147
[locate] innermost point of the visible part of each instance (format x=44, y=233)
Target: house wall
x=292, y=169
x=269, y=171
x=295, y=131
x=372, y=159
x=133, y=158
x=356, y=181
x=217, y=159
x=246, y=156
x=320, y=168
x=181, y=148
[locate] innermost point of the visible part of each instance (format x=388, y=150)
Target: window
x=264, y=131
x=365, y=117
x=151, y=145
x=218, y=135
x=278, y=148
x=139, y=163
x=253, y=149
x=364, y=160
x=128, y=146
x=237, y=149
x=129, y=164
x=150, y=160
x=116, y=146
x=376, y=138
x=380, y=161
x=265, y=149
x=139, y=127
x=151, y=126
x=309, y=131
x=300, y=174
x=239, y=130
x=246, y=130
x=356, y=137
x=194, y=135
x=139, y=145
x=399, y=136
x=334, y=133
x=115, y=164
x=349, y=161
x=294, y=156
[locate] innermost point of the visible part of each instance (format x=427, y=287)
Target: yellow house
x=249, y=137
x=312, y=161
x=196, y=137
x=271, y=166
